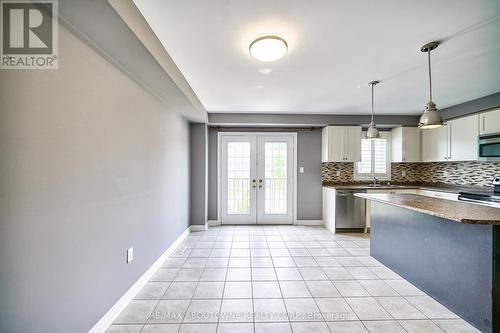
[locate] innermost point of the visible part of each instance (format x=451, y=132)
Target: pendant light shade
x=430, y=118
x=372, y=132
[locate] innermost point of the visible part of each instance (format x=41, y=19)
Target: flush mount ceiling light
x=372, y=132
x=431, y=118
x=268, y=48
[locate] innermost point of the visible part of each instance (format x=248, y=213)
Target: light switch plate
x=301, y=170
x=403, y=173
x=445, y=174
x=130, y=255
x=338, y=173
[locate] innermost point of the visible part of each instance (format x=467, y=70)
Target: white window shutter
x=375, y=158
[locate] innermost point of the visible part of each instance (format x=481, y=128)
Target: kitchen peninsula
x=449, y=249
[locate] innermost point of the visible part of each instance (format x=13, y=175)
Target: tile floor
x=280, y=279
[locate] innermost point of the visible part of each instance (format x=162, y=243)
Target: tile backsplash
x=337, y=172
x=472, y=173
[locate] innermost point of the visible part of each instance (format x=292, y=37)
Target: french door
x=257, y=173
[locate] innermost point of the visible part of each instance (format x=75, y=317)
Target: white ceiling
x=335, y=48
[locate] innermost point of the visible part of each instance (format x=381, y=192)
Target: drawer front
x=440, y=195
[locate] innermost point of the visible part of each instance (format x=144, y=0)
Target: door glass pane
x=238, y=178
x=275, y=200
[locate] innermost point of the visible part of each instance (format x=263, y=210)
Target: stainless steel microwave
x=489, y=147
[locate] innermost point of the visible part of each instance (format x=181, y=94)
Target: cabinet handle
x=484, y=122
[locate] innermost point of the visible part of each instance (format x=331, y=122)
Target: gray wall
x=91, y=164
x=309, y=189
x=268, y=119
x=108, y=33
x=470, y=107
x=309, y=186
x=199, y=173
x=212, y=174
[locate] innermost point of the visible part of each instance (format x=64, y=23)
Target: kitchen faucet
x=375, y=181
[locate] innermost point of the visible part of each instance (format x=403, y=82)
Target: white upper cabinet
x=405, y=144
x=435, y=144
x=352, y=143
x=463, y=134
x=489, y=122
x=457, y=141
x=341, y=144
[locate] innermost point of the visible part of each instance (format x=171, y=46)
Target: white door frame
x=293, y=135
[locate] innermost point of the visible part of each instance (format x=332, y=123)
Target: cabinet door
x=352, y=145
x=442, y=143
x=489, y=122
x=325, y=144
x=410, y=144
x=426, y=139
x=463, y=138
x=397, y=144
x=435, y=144
x=332, y=149
x=336, y=143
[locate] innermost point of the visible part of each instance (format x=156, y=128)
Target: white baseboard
x=213, y=223
x=308, y=222
x=198, y=227
x=110, y=316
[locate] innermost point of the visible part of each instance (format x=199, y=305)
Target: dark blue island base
x=455, y=263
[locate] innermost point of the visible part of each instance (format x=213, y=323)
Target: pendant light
x=431, y=118
x=372, y=132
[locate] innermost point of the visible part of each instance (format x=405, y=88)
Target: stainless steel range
x=484, y=198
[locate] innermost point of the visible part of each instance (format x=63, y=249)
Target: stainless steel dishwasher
x=350, y=211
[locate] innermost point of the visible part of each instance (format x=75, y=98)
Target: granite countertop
x=368, y=187
x=448, y=209
x=422, y=186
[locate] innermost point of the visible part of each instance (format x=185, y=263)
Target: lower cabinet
x=329, y=208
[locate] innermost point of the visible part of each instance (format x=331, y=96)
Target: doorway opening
x=257, y=178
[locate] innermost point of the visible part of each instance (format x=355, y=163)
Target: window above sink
x=375, y=158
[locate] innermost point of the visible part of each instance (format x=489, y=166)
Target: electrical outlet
x=338, y=173
x=445, y=174
x=403, y=173
x=130, y=255
x=301, y=169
